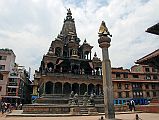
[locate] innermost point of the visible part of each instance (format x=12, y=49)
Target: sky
x=29, y=26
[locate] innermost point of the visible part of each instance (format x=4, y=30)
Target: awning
x=34, y=97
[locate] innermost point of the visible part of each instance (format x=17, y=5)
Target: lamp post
x=104, y=43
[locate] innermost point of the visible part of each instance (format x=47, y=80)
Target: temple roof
x=153, y=29
x=151, y=59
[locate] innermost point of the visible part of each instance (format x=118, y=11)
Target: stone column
x=104, y=43
x=62, y=88
x=53, y=88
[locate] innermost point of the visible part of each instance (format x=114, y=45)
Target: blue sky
x=29, y=26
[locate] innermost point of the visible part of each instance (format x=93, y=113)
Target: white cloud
x=28, y=27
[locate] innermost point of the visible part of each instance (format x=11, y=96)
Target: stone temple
x=68, y=66
x=68, y=70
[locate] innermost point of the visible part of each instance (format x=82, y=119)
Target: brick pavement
x=130, y=116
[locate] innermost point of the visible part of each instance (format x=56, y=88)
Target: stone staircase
x=83, y=110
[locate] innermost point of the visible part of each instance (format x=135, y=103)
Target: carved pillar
x=79, y=89
x=53, y=88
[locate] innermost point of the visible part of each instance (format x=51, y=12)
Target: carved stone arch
x=83, y=88
x=58, y=88
x=98, y=89
x=75, y=88
x=49, y=87
x=91, y=89
x=67, y=88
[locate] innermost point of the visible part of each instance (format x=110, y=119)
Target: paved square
x=143, y=116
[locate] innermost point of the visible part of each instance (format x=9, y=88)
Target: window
x=119, y=85
x=133, y=86
x=117, y=75
x=153, y=86
x=126, y=86
x=134, y=94
x=127, y=94
x=155, y=77
x=116, y=101
x=148, y=77
x=137, y=85
x=0, y=88
x=154, y=70
x=154, y=94
x=1, y=76
x=135, y=76
x=3, y=57
x=2, y=67
x=119, y=94
x=146, y=86
x=141, y=94
x=125, y=75
x=148, y=94
x=147, y=69
x=120, y=102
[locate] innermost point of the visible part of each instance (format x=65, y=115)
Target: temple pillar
x=53, y=88
x=62, y=87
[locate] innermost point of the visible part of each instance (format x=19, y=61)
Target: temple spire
x=69, y=29
x=69, y=16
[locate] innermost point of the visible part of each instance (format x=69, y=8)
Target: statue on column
x=85, y=99
x=103, y=30
x=75, y=98
x=91, y=99
x=71, y=98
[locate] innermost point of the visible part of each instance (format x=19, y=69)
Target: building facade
x=7, y=60
x=68, y=66
x=14, y=79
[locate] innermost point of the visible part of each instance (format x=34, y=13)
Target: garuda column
x=104, y=43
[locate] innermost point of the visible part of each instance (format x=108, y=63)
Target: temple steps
x=83, y=110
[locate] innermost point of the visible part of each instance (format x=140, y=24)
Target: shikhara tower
x=68, y=66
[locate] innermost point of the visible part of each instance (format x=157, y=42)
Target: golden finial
x=103, y=30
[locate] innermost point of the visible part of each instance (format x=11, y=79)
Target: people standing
x=132, y=104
